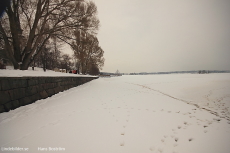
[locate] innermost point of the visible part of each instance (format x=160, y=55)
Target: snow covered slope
x=183, y=113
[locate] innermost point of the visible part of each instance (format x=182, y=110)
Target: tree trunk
x=25, y=63
x=16, y=32
x=16, y=66
x=24, y=67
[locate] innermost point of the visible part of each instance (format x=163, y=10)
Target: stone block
x=59, y=89
x=22, y=92
x=2, y=109
x=50, y=92
x=57, y=79
x=39, y=88
x=59, y=84
x=52, y=85
x=11, y=93
x=43, y=94
x=35, y=97
x=31, y=90
x=24, y=83
x=55, y=85
x=4, y=97
x=62, y=88
x=76, y=82
x=62, y=83
x=5, y=85
x=49, y=80
x=41, y=80
x=25, y=101
x=15, y=104
x=66, y=87
x=70, y=82
x=8, y=106
x=45, y=86
x=49, y=85
x=15, y=83
x=32, y=82
x=56, y=90
x=18, y=93
x=52, y=80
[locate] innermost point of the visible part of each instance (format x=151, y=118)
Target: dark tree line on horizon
x=35, y=29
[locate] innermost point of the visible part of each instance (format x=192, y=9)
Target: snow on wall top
x=36, y=73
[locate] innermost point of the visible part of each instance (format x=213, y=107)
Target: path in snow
x=224, y=110
x=157, y=113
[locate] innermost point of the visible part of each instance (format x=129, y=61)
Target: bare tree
x=66, y=62
x=93, y=70
x=49, y=57
x=87, y=51
x=29, y=24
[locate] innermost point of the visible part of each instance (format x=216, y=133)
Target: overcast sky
x=164, y=35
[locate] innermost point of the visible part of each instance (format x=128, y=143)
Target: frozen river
x=183, y=113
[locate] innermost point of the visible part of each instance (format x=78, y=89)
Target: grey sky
x=164, y=35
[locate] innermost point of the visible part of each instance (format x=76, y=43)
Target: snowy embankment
x=182, y=113
x=37, y=72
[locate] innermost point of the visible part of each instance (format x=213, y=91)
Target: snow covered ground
x=183, y=113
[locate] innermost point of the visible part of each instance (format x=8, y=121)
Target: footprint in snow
x=175, y=145
x=176, y=139
x=122, y=144
x=160, y=150
x=152, y=148
x=217, y=119
x=123, y=133
x=55, y=122
x=190, y=139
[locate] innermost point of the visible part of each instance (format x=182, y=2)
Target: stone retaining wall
x=20, y=91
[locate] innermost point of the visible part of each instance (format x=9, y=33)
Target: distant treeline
x=172, y=72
